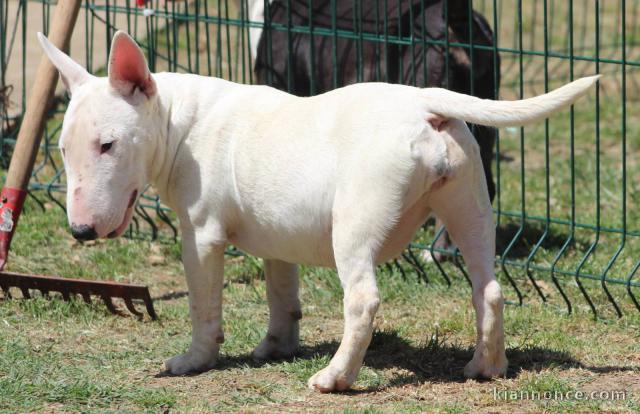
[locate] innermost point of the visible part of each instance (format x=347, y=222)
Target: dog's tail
x=505, y=113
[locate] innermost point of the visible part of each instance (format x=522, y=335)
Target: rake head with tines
x=70, y=288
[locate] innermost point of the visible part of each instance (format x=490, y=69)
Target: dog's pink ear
x=128, y=70
x=72, y=74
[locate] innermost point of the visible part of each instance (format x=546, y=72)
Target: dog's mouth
x=127, y=216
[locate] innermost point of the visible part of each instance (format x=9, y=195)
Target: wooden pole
x=32, y=126
x=44, y=86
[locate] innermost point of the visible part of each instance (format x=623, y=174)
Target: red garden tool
x=13, y=194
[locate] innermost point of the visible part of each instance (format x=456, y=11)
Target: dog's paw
x=189, y=362
x=479, y=369
x=328, y=380
x=273, y=347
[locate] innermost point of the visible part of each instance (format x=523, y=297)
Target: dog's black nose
x=83, y=232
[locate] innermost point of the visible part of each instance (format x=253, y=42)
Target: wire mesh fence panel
x=562, y=190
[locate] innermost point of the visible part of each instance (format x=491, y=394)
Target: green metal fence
x=568, y=232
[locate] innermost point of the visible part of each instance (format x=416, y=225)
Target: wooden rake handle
x=24, y=154
x=28, y=142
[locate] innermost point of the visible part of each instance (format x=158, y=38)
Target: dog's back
x=307, y=65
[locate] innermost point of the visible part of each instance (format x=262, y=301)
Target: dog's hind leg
x=361, y=221
x=284, y=311
x=203, y=260
x=463, y=206
x=356, y=270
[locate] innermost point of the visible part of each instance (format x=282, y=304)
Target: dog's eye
x=105, y=147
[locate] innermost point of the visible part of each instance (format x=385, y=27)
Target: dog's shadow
x=433, y=361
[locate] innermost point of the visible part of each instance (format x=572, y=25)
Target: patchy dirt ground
x=61, y=357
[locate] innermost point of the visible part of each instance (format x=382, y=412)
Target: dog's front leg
x=203, y=260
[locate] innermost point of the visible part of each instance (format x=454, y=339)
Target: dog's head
x=106, y=127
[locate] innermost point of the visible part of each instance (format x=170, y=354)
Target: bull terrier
x=342, y=180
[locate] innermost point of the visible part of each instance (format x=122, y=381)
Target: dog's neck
x=184, y=101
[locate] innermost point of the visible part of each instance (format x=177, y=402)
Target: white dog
x=343, y=180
